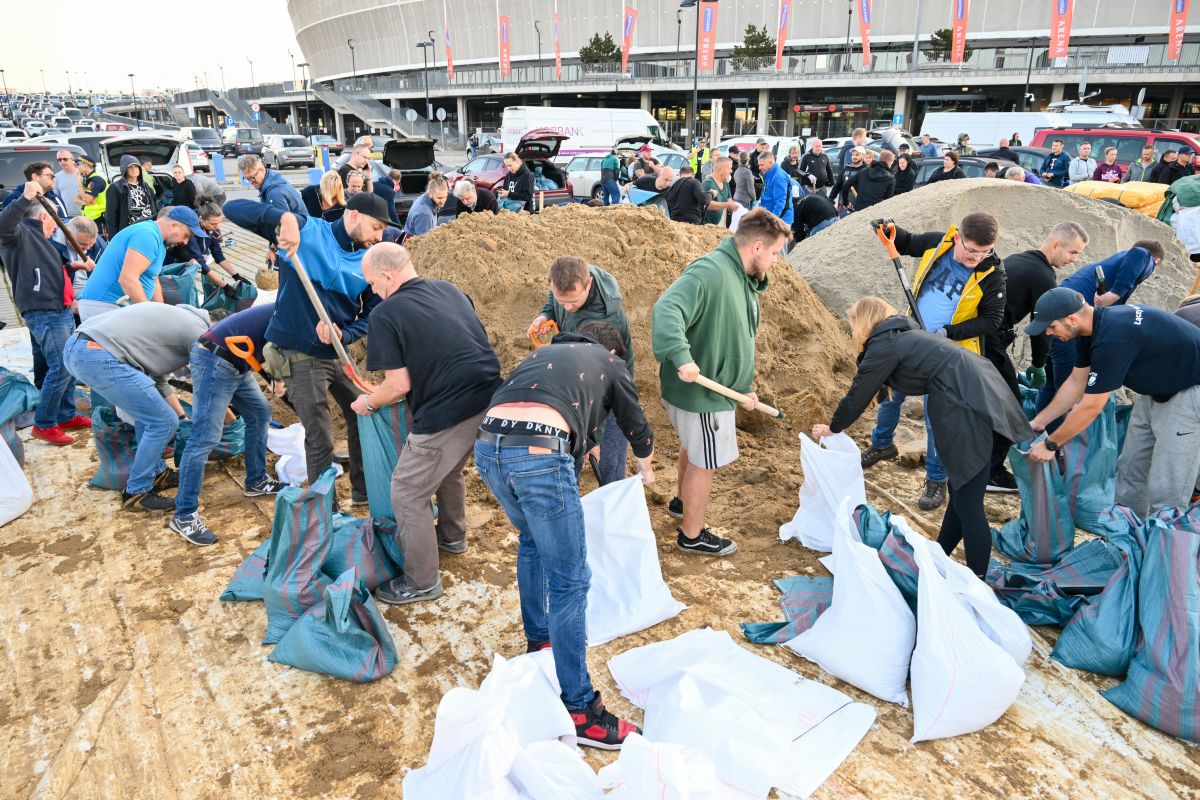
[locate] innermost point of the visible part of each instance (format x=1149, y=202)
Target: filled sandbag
x=232, y=443
x=1141, y=196
x=16, y=495
x=1091, y=469
x=18, y=396
x=237, y=297
x=1044, y=531
x=832, y=473
x=116, y=444
x=248, y=579
x=368, y=545
x=178, y=283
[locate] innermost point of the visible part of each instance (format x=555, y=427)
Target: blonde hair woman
x=968, y=405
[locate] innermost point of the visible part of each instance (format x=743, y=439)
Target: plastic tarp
x=804, y=599
x=760, y=724
x=244, y=295
x=16, y=495
x=1052, y=595
x=832, y=473
x=627, y=591
x=646, y=769
x=381, y=436
x=247, y=581
x=1044, y=531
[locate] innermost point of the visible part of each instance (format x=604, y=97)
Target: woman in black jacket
x=183, y=192
x=518, y=184
x=906, y=174
x=969, y=406
x=950, y=169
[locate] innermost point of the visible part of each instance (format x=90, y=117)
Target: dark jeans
x=313, y=382
x=217, y=385
x=49, y=331
x=540, y=496
x=886, y=421
x=614, y=449
x=965, y=521
x=612, y=192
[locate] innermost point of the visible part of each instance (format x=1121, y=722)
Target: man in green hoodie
x=705, y=324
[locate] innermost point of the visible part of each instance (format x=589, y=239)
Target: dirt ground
x=123, y=675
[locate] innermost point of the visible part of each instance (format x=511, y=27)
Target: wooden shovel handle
x=713, y=386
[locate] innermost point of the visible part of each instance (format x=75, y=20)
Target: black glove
x=230, y=290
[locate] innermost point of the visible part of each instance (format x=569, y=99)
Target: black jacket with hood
x=34, y=266
x=1168, y=173
x=873, y=185
x=967, y=399
x=116, y=210
x=520, y=185
x=906, y=179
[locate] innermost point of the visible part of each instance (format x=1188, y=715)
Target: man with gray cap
x=126, y=355
x=1152, y=352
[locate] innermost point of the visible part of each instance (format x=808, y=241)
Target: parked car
x=9, y=135
x=1128, y=141
x=1029, y=158
x=335, y=147
x=537, y=148
x=199, y=157
x=241, y=141
x=207, y=138
x=163, y=149
x=415, y=160
x=34, y=127
x=15, y=157
x=584, y=173
x=287, y=151
x=62, y=124
x=86, y=126
x=972, y=166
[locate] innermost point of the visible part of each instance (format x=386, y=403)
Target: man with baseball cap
x=299, y=350
x=1154, y=353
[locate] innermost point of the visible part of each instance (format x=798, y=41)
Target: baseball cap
x=859, y=149
x=1052, y=306
x=187, y=217
x=761, y=141
x=370, y=204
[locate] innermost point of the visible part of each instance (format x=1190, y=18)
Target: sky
x=166, y=52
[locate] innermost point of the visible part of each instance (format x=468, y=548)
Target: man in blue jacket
x=273, y=188
x=777, y=188
x=299, y=350
x=1057, y=166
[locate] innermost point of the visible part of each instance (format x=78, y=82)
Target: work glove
x=230, y=290
x=1036, y=377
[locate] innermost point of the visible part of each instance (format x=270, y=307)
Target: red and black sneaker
x=533, y=647
x=596, y=726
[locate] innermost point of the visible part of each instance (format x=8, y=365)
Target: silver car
x=287, y=151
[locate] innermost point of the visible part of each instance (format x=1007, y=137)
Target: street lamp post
x=849, y=19
x=353, y=65
x=70, y=91
x=425, y=45
x=916, y=38
x=307, y=118
x=5, y=80
x=133, y=95
x=293, y=58
x=222, y=68
x=678, y=30
x=1028, y=70
x=43, y=81
x=537, y=29
x=251, y=71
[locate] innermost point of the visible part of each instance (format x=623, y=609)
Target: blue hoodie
x=1123, y=271
x=278, y=193
x=777, y=193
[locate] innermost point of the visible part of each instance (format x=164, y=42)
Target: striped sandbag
x=115, y=443
x=872, y=526
x=876, y=530
x=1044, y=532
x=178, y=283
x=247, y=582
x=8, y=432
x=804, y=600
x=301, y=534
x=1091, y=464
x=368, y=545
x=1036, y=603
x=1162, y=687
x=345, y=635
x=381, y=436
x=1085, y=569
x=17, y=396
x=232, y=443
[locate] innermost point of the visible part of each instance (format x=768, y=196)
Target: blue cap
x=187, y=217
x=1052, y=306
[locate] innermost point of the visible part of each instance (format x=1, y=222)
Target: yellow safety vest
x=95, y=210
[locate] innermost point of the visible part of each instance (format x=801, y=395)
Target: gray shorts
x=710, y=438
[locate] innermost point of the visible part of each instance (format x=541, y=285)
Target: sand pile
x=847, y=261
x=502, y=262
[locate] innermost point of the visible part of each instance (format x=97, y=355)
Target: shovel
x=347, y=365
x=885, y=229
x=71, y=240
x=741, y=399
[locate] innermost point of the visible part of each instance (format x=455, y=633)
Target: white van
x=987, y=128
x=590, y=130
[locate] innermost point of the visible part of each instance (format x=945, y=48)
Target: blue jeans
x=612, y=192
x=885, y=428
x=218, y=385
x=540, y=495
x=613, y=451
x=155, y=422
x=50, y=330
x=820, y=226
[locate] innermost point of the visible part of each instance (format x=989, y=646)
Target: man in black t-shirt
x=429, y=342
x=1155, y=354
x=686, y=198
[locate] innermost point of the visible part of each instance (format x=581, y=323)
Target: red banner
x=449, y=56
x=864, y=28
x=785, y=14
x=959, y=27
x=706, y=41
x=1060, y=27
x=627, y=24
x=557, y=51
x=1179, y=12
x=505, y=63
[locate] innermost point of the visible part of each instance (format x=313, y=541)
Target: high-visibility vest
x=95, y=210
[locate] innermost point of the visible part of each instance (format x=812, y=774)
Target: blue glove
x=1036, y=377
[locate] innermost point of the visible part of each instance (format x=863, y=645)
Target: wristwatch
x=1051, y=445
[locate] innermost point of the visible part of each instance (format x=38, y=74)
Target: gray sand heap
x=847, y=261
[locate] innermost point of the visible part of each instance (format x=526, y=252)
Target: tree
x=941, y=45
x=600, y=50
x=757, y=45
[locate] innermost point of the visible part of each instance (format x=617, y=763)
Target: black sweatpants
x=965, y=521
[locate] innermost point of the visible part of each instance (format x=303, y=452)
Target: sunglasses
x=66, y=159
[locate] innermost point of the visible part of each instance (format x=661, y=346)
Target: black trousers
x=965, y=521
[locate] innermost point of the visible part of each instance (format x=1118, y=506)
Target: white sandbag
x=288, y=444
x=627, y=591
x=648, y=769
x=483, y=743
x=736, y=219
x=16, y=495
x=776, y=727
x=832, y=473
x=866, y=636
x=962, y=681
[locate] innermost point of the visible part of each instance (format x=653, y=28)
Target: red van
x=1128, y=141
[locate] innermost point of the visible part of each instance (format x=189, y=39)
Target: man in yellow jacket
x=960, y=289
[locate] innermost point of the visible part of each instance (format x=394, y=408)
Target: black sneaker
x=675, y=508
x=1002, y=480
x=167, y=479
x=147, y=501
x=933, y=496
x=264, y=487
x=873, y=455
x=397, y=592
x=596, y=726
x=456, y=548
x=192, y=529
x=357, y=499
x=706, y=544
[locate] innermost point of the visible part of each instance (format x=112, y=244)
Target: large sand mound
x=847, y=261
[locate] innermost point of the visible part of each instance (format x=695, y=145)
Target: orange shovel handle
x=887, y=235
x=243, y=348
x=550, y=325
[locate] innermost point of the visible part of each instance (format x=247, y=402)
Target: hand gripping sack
x=832, y=472
x=16, y=495
x=116, y=444
x=215, y=298
x=300, y=540
x=179, y=284
x=368, y=545
x=344, y=635
x=962, y=681
x=247, y=582
x=381, y=436
x=866, y=636
x=1044, y=532
x=1091, y=469
x=1162, y=687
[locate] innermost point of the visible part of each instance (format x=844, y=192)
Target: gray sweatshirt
x=153, y=338
x=743, y=187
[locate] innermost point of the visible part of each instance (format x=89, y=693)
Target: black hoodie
x=34, y=267
x=873, y=184
x=520, y=186
x=122, y=201
x=1168, y=173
